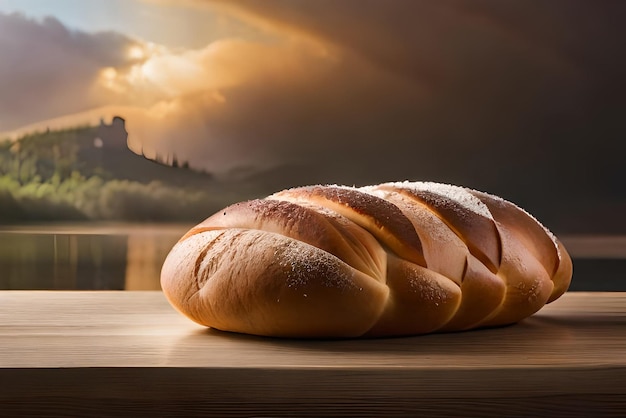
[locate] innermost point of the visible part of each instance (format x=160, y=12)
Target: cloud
x=500, y=95
x=48, y=70
x=424, y=40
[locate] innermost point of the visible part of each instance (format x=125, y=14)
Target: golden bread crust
x=388, y=260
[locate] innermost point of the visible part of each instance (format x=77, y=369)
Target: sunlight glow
x=136, y=52
x=110, y=79
x=108, y=74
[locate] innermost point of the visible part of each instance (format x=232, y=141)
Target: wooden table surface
x=129, y=353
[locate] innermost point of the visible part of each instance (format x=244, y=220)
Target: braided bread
x=388, y=260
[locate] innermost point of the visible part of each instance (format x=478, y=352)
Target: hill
x=88, y=173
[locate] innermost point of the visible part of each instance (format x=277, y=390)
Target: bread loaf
x=388, y=260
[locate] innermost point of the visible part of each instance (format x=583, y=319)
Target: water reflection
x=79, y=257
x=130, y=256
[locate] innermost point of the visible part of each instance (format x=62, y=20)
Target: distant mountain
x=102, y=150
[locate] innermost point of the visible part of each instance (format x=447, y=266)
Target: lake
x=129, y=257
x=107, y=257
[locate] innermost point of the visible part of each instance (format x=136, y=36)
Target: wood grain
x=130, y=353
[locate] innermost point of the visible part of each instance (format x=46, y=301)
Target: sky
x=521, y=98
x=165, y=23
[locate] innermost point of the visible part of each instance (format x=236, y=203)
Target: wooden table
x=131, y=354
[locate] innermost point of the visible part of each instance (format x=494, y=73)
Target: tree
x=5, y=157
